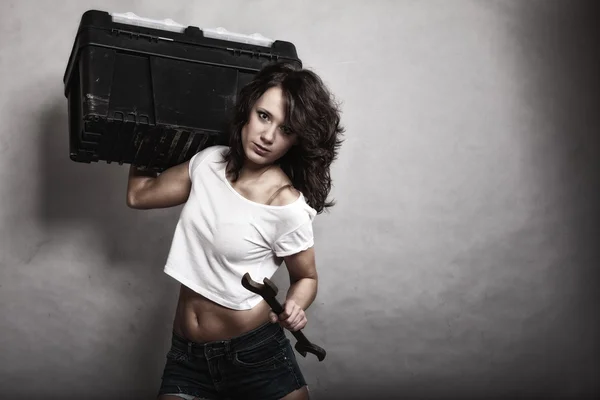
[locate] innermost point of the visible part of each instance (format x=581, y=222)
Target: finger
x=289, y=327
x=273, y=317
x=299, y=325
x=297, y=319
x=285, y=314
x=295, y=312
x=288, y=324
x=289, y=308
x=292, y=319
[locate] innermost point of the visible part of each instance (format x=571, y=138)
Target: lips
x=262, y=148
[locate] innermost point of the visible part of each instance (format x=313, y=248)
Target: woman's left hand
x=293, y=317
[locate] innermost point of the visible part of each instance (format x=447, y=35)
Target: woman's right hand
x=147, y=190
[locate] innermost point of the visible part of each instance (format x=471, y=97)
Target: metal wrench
x=268, y=291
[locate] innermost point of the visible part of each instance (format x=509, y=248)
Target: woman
x=248, y=207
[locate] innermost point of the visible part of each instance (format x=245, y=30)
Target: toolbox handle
x=130, y=18
x=224, y=34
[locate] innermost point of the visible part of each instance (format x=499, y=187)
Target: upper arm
x=301, y=265
x=170, y=188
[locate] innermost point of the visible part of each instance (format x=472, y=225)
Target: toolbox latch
x=134, y=35
x=252, y=54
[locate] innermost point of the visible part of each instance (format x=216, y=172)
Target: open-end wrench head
x=267, y=290
x=303, y=348
x=271, y=286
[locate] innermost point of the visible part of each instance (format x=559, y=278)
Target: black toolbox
x=150, y=94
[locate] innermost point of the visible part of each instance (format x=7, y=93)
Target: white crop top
x=221, y=235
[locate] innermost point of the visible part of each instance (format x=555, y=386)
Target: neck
x=251, y=171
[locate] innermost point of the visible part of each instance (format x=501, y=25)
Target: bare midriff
x=201, y=320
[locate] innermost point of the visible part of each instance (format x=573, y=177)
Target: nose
x=268, y=135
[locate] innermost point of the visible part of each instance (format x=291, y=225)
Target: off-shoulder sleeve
x=197, y=158
x=295, y=233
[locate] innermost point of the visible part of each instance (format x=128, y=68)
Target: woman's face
x=264, y=137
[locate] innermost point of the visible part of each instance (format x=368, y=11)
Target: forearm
x=303, y=292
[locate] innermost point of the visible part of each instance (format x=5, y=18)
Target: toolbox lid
x=168, y=24
x=100, y=28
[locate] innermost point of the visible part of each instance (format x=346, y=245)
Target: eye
x=263, y=116
x=285, y=130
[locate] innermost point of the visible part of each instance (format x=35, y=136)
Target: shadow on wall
x=90, y=198
x=558, y=354
x=565, y=99
x=566, y=94
x=557, y=351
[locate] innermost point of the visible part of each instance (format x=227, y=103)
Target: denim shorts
x=259, y=364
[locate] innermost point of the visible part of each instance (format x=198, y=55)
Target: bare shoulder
x=286, y=195
x=281, y=191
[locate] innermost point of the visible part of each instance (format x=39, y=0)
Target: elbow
x=137, y=202
x=132, y=200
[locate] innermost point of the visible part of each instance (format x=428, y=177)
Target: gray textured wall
x=459, y=260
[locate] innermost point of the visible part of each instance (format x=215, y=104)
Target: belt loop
x=189, y=348
x=228, y=350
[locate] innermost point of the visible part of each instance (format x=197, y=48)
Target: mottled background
x=459, y=262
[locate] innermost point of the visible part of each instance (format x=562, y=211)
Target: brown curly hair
x=311, y=113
